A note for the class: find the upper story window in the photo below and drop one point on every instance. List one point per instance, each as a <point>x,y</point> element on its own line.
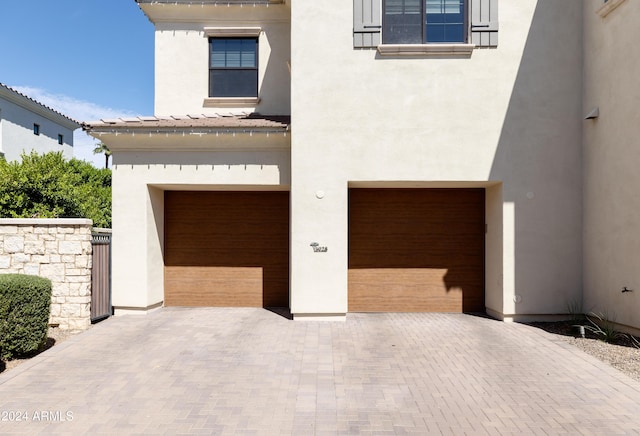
<point>425,27</point>
<point>233,67</point>
<point>36,129</point>
<point>424,21</point>
<point>60,139</point>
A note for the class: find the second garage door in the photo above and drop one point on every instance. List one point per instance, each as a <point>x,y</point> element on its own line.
<point>227,249</point>
<point>416,250</point>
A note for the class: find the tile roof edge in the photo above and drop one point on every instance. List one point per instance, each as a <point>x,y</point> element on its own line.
<point>25,97</point>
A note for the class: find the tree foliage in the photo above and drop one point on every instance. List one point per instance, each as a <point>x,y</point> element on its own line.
<point>102,148</point>
<point>48,186</point>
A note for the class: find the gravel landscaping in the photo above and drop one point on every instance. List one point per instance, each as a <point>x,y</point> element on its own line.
<point>621,353</point>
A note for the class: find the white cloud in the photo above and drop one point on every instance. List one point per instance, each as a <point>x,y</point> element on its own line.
<point>81,111</point>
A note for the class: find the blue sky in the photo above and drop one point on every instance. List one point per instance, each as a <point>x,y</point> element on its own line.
<point>88,59</point>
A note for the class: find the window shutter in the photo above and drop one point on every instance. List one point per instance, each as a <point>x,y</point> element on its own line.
<point>484,23</point>
<point>367,23</point>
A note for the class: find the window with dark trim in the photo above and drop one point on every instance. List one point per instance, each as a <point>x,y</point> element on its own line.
<point>424,21</point>
<point>36,129</point>
<point>60,139</point>
<point>233,67</point>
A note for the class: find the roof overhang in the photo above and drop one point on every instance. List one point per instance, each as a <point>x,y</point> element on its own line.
<point>196,10</point>
<point>212,2</point>
<point>193,132</point>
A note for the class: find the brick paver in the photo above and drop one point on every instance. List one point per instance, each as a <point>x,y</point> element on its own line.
<point>253,372</point>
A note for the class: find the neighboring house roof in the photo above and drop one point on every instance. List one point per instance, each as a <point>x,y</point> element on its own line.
<point>34,106</point>
<point>190,123</point>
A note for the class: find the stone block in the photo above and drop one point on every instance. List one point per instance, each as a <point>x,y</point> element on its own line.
<point>78,300</point>
<point>59,299</point>
<point>83,261</point>
<point>59,289</point>
<point>52,271</point>
<point>69,310</point>
<point>84,289</point>
<point>79,279</point>
<point>51,247</point>
<point>5,261</point>
<point>68,258</point>
<point>30,237</point>
<point>55,309</point>
<point>78,237</point>
<point>34,247</point>
<point>8,230</point>
<point>14,244</point>
<point>32,269</point>
<point>45,258</point>
<point>66,230</point>
<point>70,247</point>
<point>20,258</point>
<point>77,324</point>
<point>77,271</point>
<point>74,289</point>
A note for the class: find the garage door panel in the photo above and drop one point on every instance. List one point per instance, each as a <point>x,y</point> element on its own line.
<point>214,286</point>
<point>402,290</point>
<point>227,249</point>
<point>401,240</point>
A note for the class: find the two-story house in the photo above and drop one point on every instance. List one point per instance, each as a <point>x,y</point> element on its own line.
<point>27,125</point>
<point>373,155</point>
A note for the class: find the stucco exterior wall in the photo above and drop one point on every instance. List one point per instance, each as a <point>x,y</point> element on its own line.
<point>611,177</point>
<point>16,132</point>
<point>182,60</point>
<point>507,117</point>
<point>57,249</point>
<point>140,179</point>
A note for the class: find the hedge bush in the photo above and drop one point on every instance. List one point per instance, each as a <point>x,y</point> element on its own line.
<point>48,186</point>
<point>25,303</point>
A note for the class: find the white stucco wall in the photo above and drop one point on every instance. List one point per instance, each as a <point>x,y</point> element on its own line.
<point>507,117</point>
<point>611,177</point>
<point>140,178</point>
<point>16,132</point>
<point>182,58</point>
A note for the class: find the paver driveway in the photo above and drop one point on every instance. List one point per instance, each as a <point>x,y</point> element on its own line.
<point>250,371</point>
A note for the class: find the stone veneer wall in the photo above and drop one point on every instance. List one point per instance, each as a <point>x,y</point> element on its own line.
<point>60,250</point>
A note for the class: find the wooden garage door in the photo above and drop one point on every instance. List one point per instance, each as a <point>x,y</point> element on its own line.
<point>416,250</point>
<point>227,249</point>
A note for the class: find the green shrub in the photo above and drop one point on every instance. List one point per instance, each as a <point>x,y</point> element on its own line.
<point>48,186</point>
<point>25,302</point>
